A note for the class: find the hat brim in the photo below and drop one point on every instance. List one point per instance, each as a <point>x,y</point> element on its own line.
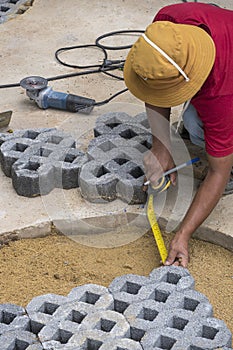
<point>204,56</point>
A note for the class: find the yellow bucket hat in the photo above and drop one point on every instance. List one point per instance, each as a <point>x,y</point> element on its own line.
<point>169,63</point>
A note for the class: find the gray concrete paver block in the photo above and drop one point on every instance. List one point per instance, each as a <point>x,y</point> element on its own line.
<point>158,312</point>
<point>41,308</point>
<point>17,340</point>
<point>108,322</point>
<point>181,279</point>
<point>118,344</point>
<point>40,160</point>
<point>117,149</point>
<point>10,315</point>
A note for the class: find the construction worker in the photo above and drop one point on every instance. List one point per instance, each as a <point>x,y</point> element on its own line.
<point>185,55</point>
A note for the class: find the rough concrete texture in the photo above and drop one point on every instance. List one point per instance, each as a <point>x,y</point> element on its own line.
<point>161,311</point>
<point>38,160</point>
<point>116,169</point>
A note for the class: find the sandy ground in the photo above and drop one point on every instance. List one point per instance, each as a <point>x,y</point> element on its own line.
<point>56,264</point>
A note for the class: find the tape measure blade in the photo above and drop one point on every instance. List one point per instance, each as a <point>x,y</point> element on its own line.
<point>155,229</point>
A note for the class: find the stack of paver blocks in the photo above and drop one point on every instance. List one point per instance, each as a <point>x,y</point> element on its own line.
<point>39,160</point>
<point>158,312</point>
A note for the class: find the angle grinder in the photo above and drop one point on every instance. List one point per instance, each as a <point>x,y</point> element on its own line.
<point>37,89</point>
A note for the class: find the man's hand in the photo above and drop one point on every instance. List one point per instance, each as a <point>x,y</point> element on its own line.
<point>178,254</point>
<point>156,162</point>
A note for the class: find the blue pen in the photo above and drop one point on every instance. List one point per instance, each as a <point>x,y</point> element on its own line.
<point>183,165</point>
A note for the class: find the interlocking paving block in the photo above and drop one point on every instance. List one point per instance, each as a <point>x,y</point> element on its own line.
<point>88,293</point>
<point>119,178</point>
<point>38,160</point>
<point>120,122</point>
<point>115,168</point>
<point>17,340</point>
<point>159,312</point>
<point>107,321</point>
<point>69,317</point>
<point>180,278</point>
<point>121,344</point>
<point>41,308</point>
<point>99,148</point>
<point>9,8</point>
<point>9,314</point>
<point>201,334</point>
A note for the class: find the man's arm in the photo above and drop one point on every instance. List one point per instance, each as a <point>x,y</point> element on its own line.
<point>203,203</point>
<point>158,159</point>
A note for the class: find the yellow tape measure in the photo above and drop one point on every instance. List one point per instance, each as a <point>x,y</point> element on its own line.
<point>155,229</point>
<point>162,186</point>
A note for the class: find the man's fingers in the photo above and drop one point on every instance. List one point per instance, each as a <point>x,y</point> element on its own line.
<point>173,178</point>
<point>171,257</point>
<point>183,261</point>
<point>176,259</point>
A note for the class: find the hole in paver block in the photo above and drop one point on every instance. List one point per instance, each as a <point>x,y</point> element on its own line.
<point>13,1</point>
<point>69,158</point>
<point>178,323</point>
<point>107,146</point>
<point>145,123</point>
<point>92,344</point>
<point>165,343</point>
<point>55,139</point>
<point>160,296</point>
<point>131,288</point>
<point>44,152</point>
<point>48,308</point>
<point>105,325</point>
<point>136,333</point>
<point>34,327</point>
<point>6,317</point>
<point>20,345</point>
<point>190,304</point>
<point>128,134</point>
<point>102,171</point>
<point>19,147</point>
<point>113,125</point>
<point>4,8</point>
<point>193,347</point>
<point>209,332</point>
<point>30,134</point>
<point>120,306</point>
<point>121,161</point>
<point>76,316</point>
<point>148,314</point>
<point>62,336</point>
<point>172,278</point>
<point>90,298</point>
<point>145,144</point>
<point>33,166</point>
<point>136,172</point>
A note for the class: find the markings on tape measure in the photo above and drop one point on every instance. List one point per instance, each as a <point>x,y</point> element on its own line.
<point>155,228</point>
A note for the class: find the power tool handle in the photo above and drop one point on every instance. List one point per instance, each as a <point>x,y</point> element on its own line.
<point>75,103</point>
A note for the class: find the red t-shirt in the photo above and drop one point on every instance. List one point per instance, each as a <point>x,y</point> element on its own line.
<point>214,101</point>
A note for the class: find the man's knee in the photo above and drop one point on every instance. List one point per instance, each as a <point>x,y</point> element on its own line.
<point>194,126</point>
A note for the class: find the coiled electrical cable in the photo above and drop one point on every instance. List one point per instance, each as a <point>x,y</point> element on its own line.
<point>106,66</point>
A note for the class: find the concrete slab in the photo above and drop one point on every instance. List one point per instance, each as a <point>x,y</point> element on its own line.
<point>28,43</point>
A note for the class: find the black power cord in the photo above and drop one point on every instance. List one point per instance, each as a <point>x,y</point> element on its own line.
<point>105,67</point>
